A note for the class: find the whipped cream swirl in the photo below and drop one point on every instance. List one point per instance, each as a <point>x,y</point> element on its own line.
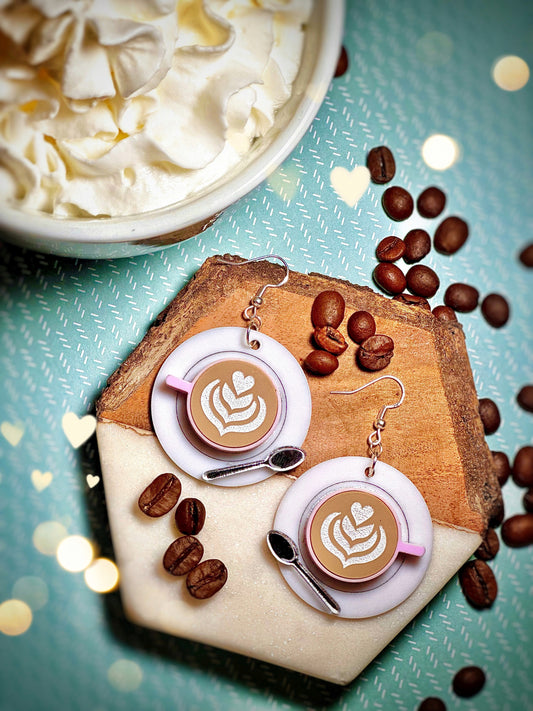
<point>115,107</point>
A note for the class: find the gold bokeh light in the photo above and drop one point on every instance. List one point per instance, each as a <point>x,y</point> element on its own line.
<point>440,152</point>
<point>75,553</point>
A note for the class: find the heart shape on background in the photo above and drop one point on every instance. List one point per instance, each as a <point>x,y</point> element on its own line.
<point>350,186</point>
<point>78,430</point>
<point>41,480</point>
<point>92,480</point>
<point>12,433</point>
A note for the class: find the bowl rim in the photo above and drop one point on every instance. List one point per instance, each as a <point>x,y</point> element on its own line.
<point>143,226</point>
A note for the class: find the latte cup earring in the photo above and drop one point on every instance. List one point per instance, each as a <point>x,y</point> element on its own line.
<point>363,528</point>
<point>231,395</point>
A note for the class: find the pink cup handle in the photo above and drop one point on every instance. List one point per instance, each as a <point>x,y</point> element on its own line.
<point>410,549</point>
<point>178,384</point>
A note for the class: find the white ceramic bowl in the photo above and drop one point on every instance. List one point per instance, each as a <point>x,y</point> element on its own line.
<point>146,232</point>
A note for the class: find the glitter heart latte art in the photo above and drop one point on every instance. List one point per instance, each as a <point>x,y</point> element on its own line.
<point>349,540</point>
<point>233,407</point>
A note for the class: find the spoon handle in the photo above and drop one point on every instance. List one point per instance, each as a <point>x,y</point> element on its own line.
<point>317,588</point>
<point>232,469</point>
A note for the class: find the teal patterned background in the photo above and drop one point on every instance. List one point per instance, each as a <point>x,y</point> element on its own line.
<point>415,69</point>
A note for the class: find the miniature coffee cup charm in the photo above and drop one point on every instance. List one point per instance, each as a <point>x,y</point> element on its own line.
<point>232,404</point>
<point>354,536</point>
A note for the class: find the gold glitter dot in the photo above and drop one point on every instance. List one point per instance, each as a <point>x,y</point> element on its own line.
<point>102,575</point>
<point>125,675</point>
<point>47,536</point>
<point>15,617</point>
<point>31,590</point>
<point>440,152</point>
<point>510,73</point>
<point>74,553</point>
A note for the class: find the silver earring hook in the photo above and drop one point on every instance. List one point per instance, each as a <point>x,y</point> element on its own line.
<point>249,314</point>
<point>374,439</point>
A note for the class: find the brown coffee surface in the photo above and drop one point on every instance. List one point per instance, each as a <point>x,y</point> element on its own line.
<point>354,535</point>
<point>234,404</point>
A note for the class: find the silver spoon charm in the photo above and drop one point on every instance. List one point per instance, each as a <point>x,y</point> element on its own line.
<point>281,460</point>
<point>285,550</point>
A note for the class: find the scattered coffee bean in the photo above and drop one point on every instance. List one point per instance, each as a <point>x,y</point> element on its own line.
<point>468,681</point>
<point>495,309</point>
<point>523,467</point>
<point>412,300</point>
<point>461,297</point>
<point>431,202</point>
<point>321,362</point>
<point>478,583</point>
<point>390,249</point>
<point>432,703</point>
<point>361,325</point>
<point>183,555</point>
<point>490,415</point>
<point>501,466</point>
<point>380,163</point>
<point>160,496</point>
<point>525,398</point>
<point>190,516</point>
<point>397,203</point>
<point>517,531</point>
<point>422,280</point>
<point>489,547</point>
<point>444,313</point>
<point>328,309</point>
<point>207,578</point>
<point>330,339</point>
<point>527,500</point>
<point>375,353</point>
<point>450,235</point>
<point>342,63</point>
<point>417,245</point>
<point>526,255</point>
<point>390,278</point>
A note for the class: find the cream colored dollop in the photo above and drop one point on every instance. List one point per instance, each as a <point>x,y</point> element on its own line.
<point>115,107</point>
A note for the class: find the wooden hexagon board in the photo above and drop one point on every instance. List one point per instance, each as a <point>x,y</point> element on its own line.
<point>435,438</point>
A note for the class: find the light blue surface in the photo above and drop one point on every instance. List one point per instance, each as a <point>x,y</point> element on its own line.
<point>66,325</point>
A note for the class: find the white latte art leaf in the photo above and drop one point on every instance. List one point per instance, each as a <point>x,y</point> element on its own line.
<point>332,535</point>
<point>227,416</point>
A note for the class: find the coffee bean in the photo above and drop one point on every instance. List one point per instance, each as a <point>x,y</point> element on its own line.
<point>461,297</point>
<point>517,531</point>
<point>190,516</point>
<point>525,398</point>
<point>432,703</point>
<point>478,583</point>
<point>490,415</point>
<point>321,362</point>
<point>501,466</point>
<point>526,255</point>
<point>412,300</point>
<point>422,280</point>
<point>342,63</point>
<point>489,547</point>
<point>390,278</point>
<point>495,309</point>
<point>523,467</point>
<point>330,339</point>
<point>375,353</point>
<point>390,249</point>
<point>468,681</point>
<point>328,309</point>
<point>183,555</point>
<point>160,496</point>
<point>431,202</point>
<point>361,325</point>
<point>397,203</point>
<point>527,500</point>
<point>417,246</point>
<point>450,235</point>
<point>444,313</point>
<point>207,578</point>
<point>380,163</point>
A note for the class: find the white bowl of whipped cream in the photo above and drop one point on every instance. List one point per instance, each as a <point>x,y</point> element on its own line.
<point>130,125</point>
